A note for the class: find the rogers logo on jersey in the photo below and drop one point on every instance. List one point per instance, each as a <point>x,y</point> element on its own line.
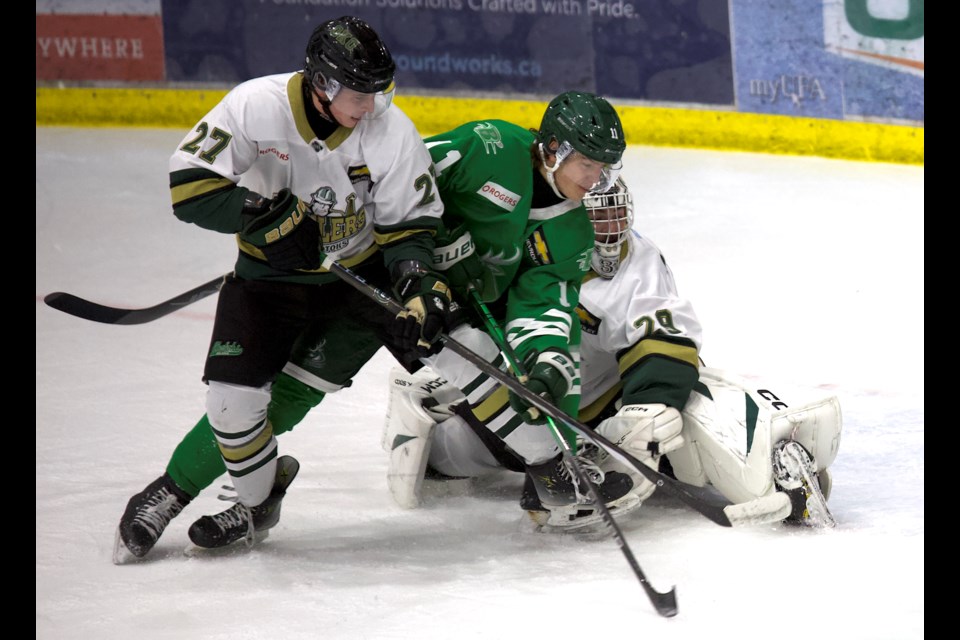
<point>499,195</point>
<point>276,152</point>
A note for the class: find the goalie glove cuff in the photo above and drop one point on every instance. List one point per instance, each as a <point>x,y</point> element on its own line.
<point>646,431</point>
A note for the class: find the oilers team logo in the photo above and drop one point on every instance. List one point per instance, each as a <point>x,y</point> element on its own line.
<point>337,226</point>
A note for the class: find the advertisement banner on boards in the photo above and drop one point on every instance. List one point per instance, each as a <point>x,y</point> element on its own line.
<point>656,50</point>
<point>99,47</point>
<point>841,59</point>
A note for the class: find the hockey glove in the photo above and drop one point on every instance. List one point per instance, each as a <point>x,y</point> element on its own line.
<point>645,431</point>
<point>284,230</point>
<point>426,300</point>
<point>550,376</point>
<point>456,257</point>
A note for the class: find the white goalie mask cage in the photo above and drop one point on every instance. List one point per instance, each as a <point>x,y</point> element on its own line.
<point>611,213</point>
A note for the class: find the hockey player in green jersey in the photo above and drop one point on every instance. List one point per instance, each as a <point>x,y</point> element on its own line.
<point>534,241</point>
<point>517,232</point>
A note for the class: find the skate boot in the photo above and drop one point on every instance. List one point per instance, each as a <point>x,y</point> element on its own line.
<point>554,500</point>
<point>147,514</point>
<point>239,522</point>
<point>796,474</point>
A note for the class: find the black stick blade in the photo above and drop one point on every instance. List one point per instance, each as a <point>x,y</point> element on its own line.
<point>76,306</point>
<point>87,310</point>
<point>664,603</point>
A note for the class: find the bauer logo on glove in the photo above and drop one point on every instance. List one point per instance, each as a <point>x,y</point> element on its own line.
<point>283,230</point>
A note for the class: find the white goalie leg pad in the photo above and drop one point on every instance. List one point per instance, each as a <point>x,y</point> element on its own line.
<point>458,452</point>
<point>408,429</point>
<point>454,368</point>
<point>424,389</point>
<point>731,428</point>
<point>238,415</point>
<point>645,431</point>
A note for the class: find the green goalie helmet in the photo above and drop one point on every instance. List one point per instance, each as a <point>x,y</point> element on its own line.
<point>348,52</point>
<point>586,123</point>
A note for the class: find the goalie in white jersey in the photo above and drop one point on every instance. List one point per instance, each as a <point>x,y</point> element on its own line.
<point>644,389</point>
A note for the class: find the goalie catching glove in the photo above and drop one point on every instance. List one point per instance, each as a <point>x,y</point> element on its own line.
<point>645,431</point>
<point>283,230</point>
<point>550,376</point>
<point>426,301</point>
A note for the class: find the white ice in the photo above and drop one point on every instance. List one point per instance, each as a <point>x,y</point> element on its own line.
<point>806,272</point>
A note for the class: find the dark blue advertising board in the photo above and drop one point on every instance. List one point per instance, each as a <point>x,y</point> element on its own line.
<point>652,50</point>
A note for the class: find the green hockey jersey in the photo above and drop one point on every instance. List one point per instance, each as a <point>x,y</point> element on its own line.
<point>535,246</point>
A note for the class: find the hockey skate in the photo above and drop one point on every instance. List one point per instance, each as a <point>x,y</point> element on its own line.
<point>251,524</point>
<point>555,501</point>
<point>147,514</point>
<point>796,474</point>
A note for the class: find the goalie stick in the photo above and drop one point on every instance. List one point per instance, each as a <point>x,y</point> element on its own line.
<point>76,306</point>
<point>664,602</point>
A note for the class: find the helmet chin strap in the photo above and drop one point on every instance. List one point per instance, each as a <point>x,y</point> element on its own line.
<point>550,171</point>
<point>325,111</point>
<point>605,260</point>
<point>325,96</point>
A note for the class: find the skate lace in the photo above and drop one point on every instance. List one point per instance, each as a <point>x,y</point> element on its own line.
<point>158,511</point>
<point>590,468</point>
<point>236,516</point>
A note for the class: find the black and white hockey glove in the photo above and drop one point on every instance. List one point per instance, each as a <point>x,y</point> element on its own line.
<point>283,230</point>
<point>550,376</point>
<point>426,300</point>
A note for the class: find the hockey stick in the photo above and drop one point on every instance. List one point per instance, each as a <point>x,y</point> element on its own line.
<point>664,603</point>
<point>714,512</point>
<point>76,306</point>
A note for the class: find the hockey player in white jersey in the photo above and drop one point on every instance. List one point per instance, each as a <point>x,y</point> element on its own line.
<point>644,389</point>
<point>296,164</point>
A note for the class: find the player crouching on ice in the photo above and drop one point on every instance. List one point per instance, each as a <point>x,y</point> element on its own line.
<point>644,390</point>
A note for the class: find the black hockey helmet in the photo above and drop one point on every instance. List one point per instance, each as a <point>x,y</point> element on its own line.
<point>350,52</point>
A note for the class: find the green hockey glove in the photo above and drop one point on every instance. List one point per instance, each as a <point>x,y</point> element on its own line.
<point>426,300</point>
<point>284,230</point>
<point>455,256</point>
<point>551,375</point>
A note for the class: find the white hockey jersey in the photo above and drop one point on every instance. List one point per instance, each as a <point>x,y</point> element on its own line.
<point>639,302</point>
<point>367,185</point>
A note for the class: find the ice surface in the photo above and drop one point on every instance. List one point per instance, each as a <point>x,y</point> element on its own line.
<point>805,272</point>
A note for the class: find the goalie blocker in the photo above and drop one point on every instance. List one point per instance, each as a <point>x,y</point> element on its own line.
<point>734,436</point>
